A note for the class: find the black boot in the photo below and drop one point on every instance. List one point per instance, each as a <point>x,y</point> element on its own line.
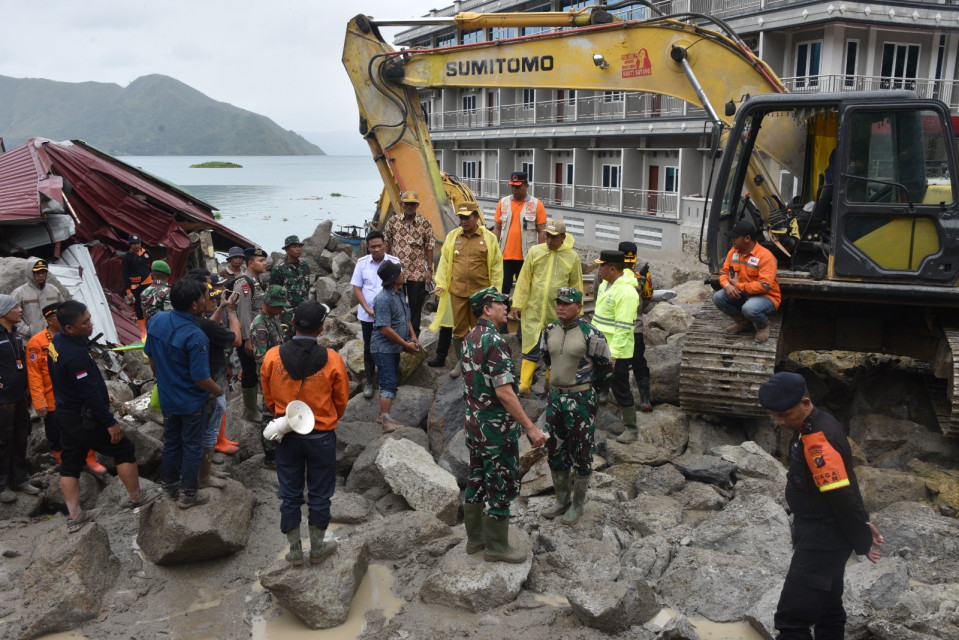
<point>644,403</point>
<point>442,348</point>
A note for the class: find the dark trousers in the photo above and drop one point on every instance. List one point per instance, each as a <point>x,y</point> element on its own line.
<point>308,460</point>
<point>812,596</point>
<point>183,450</point>
<point>15,430</point>
<point>78,435</point>
<point>620,383</point>
<point>640,368</point>
<point>368,363</point>
<point>251,376</point>
<point>416,296</point>
<point>511,269</point>
<point>137,302</point>
<point>52,430</point>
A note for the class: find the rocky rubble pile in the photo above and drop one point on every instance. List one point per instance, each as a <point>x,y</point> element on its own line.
<point>691,517</point>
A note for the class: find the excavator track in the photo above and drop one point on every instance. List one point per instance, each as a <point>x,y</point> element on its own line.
<point>950,424</point>
<point>721,373</point>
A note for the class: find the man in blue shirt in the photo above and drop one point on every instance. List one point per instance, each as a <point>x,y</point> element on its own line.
<point>392,336</point>
<point>179,355</point>
<point>83,413</point>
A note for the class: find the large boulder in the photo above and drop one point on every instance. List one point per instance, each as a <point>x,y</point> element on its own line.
<point>880,585</point>
<point>326,292</point>
<point>635,453</point>
<point>708,469</point>
<point>350,508</point>
<point>751,526</point>
<point>410,407</point>
<point>926,540</point>
<point>708,432</point>
<point>563,558</point>
<point>659,481</point>
<point>752,461</point>
<point>463,581</point>
<point>664,372</point>
<point>68,575</point>
<point>342,267</point>
<point>52,496</point>
<point>456,457</point>
<point>399,535</point>
<point>666,425</point>
<point>352,438</point>
<point>352,354</point>
<point>447,413</point>
<point>411,472</point>
<point>221,527</point>
<point>320,595</point>
<point>892,442</point>
<point>883,487</point>
<point>613,607</point>
<point>653,514</point>
<point>365,477</point>
<point>670,318</point>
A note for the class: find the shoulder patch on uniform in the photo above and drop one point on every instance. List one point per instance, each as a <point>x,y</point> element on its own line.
<point>33,356</point>
<point>81,374</point>
<point>53,352</point>
<point>824,462</point>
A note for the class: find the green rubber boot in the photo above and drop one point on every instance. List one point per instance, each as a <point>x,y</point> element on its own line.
<point>496,533</point>
<point>458,354</point>
<point>630,432</point>
<point>318,548</point>
<point>561,485</point>
<point>473,519</point>
<point>295,556</point>
<point>580,485</point>
<point>251,412</point>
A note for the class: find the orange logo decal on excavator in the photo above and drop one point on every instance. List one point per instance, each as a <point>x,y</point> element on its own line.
<point>637,64</point>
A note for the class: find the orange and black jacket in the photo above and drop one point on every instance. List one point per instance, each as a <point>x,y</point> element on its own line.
<point>38,375</point>
<point>136,270</point>
<point>302,370</point>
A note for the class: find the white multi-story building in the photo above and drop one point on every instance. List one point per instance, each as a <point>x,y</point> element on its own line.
<point>628,165</point>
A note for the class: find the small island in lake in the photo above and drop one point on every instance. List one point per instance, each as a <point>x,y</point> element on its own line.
<point>216,164</point>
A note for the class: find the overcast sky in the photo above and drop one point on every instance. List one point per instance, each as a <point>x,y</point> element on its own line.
<point>278,58</point>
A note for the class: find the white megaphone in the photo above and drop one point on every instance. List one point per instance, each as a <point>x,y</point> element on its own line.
<point>298,418</point>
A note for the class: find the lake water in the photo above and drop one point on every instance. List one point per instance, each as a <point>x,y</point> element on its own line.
<point>272,197</point>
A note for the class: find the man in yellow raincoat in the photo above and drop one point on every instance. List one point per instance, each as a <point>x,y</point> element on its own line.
<point>470,261</point>
<point>548,266</point>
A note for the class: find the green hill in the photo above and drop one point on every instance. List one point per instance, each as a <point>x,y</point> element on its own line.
<point>153,115</point>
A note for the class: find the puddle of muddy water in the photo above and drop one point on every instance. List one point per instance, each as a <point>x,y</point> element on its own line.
<point>709,630</point>
<point>375,592</point>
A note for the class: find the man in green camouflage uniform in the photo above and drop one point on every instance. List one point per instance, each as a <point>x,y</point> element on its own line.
<point>577,357</point>
<point>156,297</point>
<point>271,328</point>
<point>292,273</point>
<point>493,410</point>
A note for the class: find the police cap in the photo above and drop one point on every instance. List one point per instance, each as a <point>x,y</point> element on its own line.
<point>782,392</point>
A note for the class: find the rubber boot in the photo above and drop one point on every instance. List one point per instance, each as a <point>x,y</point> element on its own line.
<point>497,549</point>
<point>458,352</point>
<point>207,480</point>
<point>318,548</point>
<point>526,371</point>
<point>251,411</point>
<point>580,485</point>
<point>223,445</point>
<point>630,432</point>
<point>561,485</point>
<point>762,332</point>
<point>442,348</point>
<point>368,382</point>
<point>740,324</point>
<point>473,520</point>
<point>143,329</point>
<point>93,466</point>
<point>295,555</point>
<point>644,403</point>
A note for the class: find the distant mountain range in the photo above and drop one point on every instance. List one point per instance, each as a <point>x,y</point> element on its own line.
<point>153,115</point>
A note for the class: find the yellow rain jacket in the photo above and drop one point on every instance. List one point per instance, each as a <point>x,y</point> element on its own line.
<point>615,314</point>
<point>544,272</point>
<point>494,262</point>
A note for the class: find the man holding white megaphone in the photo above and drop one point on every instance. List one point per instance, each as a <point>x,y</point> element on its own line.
<point>306,387</point>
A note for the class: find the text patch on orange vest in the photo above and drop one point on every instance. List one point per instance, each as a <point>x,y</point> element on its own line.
<point>825,463</point>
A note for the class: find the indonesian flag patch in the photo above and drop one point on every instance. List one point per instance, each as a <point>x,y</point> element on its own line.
<point>81,374</point>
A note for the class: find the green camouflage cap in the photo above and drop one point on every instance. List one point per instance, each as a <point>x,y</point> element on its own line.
<point>290,241</point>
<point>161,266</point>
<point>569,294</point>
<point>275,296</point>
<point>485,296</point>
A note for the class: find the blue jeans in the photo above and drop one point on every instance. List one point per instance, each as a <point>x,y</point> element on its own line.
<point>311,457</point>
<point>388,365</point>
<point>755,308</point>
<point>213,427</point>
<point>182,450</point>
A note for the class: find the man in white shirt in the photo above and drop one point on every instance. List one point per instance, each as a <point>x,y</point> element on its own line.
<point>366,284</point>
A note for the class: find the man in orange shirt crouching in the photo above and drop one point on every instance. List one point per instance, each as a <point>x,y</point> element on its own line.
<point>750,291</point>
<point>302,370</point>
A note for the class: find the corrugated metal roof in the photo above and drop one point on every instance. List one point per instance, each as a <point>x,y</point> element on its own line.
<point>23,177</point>
<point>76,272</point>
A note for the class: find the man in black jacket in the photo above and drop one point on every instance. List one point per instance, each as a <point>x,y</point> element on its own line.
<point>14,417</point>
<point>829,519</point>
<point>135,266</point>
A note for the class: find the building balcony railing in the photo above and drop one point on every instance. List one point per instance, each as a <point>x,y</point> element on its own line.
<point>663,204</point>
<point>945,90</point>
<point>623,106</point>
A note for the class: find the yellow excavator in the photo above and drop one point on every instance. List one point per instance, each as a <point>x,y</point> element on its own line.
<point>854,192</point>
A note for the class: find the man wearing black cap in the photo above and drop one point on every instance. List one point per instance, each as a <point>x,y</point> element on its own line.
<point>136,276</point>
<point>303,370</point>
<point>749,291</point>
<point>829,519</point>
<point>33,296</point>
<point>251,295</point>
<point>292,273</point>
<point>519,224</point>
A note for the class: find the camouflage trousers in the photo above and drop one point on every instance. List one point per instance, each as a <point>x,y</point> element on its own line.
<point>571,420</point>
<point>494,458</point>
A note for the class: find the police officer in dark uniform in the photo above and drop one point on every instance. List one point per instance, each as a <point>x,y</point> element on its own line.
<point>829,519</point>
<point>15,424</point>
<point>136,276</point>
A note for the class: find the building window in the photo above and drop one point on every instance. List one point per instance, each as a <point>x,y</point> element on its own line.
<point>469,169</point>
<point>672,180</point>
<point>613,96</point>
<point>611,174</point>
<point>529,98</point>
<point>503,33</point>
<point>574,5</point>
<point>899,64</point>
<point>427,111</point>
<point>469,102</point>
<point>808,55</point>
<point>569,174</point>
<point>852,53</point>
<point>528,168</point>
<point>447,40</point>
<point>571,96</point>
<point>476,35</point>
<point>528,31</point>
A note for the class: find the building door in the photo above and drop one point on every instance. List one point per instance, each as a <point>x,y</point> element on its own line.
<point>653,186</point>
